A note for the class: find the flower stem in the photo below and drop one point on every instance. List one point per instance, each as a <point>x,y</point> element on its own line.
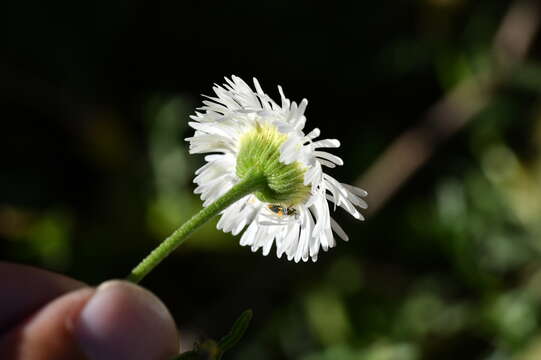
<point>247,185</point>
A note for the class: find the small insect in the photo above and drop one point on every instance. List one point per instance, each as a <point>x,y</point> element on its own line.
<point>282,210</point>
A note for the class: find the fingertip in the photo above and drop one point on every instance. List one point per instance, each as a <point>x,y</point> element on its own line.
<point>125,321</point>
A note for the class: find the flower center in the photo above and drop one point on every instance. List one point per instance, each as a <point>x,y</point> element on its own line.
<point>259,153</point>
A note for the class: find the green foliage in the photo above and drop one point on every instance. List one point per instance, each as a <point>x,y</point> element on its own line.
<point>212,350</point>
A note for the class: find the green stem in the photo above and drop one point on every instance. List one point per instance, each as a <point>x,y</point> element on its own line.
<point>250,183</point>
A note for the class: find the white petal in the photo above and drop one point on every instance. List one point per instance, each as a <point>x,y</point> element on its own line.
<point>325,155</point>
<point>338,230</point>
<point>326,143</point>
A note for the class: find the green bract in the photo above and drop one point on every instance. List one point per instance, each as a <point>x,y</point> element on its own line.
<point>259,155</point>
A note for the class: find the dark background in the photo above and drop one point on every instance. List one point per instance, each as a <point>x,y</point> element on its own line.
<point>95,98</point>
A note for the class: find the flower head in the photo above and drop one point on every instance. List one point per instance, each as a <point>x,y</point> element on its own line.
<point>247,133</point>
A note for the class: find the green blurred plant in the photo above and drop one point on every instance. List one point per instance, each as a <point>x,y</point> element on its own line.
<point>214,350</point>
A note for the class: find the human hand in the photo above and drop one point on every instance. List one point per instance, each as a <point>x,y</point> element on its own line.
<point>45,316</point>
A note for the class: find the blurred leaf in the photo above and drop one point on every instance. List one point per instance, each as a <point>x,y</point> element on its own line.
<point>237,332</point>
<point>212,350</point>
<point>328,316</point>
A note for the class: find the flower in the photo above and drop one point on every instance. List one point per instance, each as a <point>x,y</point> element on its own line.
<point>245,131</point>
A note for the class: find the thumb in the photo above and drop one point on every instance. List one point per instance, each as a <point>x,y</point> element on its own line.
<point>125,321</point>
<point>118,320</point>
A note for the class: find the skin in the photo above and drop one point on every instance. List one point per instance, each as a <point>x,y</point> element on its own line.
<point>45,316</point>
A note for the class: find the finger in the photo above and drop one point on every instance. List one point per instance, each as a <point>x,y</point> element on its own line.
<point>24,289</point>
<point>117,321</point>
<point>124,321</point>
<point>46,334</point>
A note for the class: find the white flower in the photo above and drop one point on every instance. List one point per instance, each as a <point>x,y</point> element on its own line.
<point>294,216</point>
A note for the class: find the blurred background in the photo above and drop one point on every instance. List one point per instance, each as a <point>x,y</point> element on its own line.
<point>436,103</point>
